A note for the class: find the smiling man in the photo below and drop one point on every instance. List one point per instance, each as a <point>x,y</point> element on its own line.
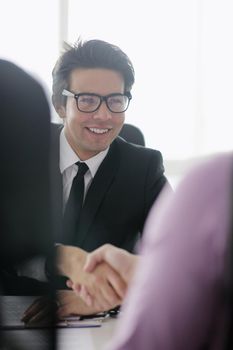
<point>91,93</point>
<point>94,115</point>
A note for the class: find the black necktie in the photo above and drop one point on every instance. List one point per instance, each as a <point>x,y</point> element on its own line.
<point>74,205</point>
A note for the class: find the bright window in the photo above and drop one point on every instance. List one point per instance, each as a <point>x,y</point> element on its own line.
<point>29,36</point>
<point>181,50</point>
<point>182,53</point>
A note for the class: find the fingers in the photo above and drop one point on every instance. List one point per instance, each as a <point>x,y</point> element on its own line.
<point>41,316</point>
<point>71,304</point>
<point>86,297</point>
<point>119,259</point>
<point>109,286</point>
<point>123,262</point>
<point>32,310</point>
<point>117,284</point>
<point>104,288</point>
<point>103,299</point>
<point>96,257</point>
<point>38,311</point>
<point>65,310</point>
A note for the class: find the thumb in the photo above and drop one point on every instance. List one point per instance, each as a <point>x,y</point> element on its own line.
<point>95,258</point>
<point>92,260</point>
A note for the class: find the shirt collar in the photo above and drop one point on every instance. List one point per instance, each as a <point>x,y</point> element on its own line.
<point>68,157</point>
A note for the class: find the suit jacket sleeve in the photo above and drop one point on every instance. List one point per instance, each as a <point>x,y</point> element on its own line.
<point>155,180</point>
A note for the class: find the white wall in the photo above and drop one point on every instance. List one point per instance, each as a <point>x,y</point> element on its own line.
<point>29,36</point>
<point>182,53</point>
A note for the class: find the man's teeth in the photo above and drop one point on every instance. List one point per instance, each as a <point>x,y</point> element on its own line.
<point>98,131</point>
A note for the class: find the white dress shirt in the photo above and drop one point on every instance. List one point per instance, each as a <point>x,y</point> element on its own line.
<point>69,169</point>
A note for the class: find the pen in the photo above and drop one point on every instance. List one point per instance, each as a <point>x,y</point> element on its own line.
<point>93,316</point>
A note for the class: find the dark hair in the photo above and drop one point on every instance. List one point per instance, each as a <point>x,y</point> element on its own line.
<point>90,54</point>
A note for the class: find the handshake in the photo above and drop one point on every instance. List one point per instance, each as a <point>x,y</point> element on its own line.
<point>98,282</point>
<point>99,278</point>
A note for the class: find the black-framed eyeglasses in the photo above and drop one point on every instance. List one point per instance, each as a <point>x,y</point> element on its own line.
<point>87,102</point>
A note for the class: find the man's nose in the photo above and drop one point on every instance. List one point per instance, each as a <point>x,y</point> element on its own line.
<point>103,112</point>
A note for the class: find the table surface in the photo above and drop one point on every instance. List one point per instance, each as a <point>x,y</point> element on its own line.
<point>93,338</point>
<point>86,338</point>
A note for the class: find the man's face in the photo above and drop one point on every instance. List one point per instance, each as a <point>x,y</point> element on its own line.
<point>90,133</point>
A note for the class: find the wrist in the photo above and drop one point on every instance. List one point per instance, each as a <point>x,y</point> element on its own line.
<point>70,260</point>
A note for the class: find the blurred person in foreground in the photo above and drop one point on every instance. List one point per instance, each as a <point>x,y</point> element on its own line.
<point>180,292</point>
<point>25,203</point>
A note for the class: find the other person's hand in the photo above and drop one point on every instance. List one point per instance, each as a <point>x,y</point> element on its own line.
<point>118,259</point>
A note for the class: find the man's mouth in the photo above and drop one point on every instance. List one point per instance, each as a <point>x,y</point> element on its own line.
<point>98,131</point>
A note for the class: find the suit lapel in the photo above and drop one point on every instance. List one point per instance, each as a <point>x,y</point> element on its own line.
<point>98,189</point>
<point>99,186</point>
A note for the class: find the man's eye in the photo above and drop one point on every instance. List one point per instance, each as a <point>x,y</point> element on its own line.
<point>115,100</point>
<point>88,100</point>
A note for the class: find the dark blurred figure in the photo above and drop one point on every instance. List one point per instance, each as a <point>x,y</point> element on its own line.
<point>25,215</point>
<point>24,158</point>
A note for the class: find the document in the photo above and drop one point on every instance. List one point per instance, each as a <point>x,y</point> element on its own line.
<point>61,324</point>
<point>78,322</point>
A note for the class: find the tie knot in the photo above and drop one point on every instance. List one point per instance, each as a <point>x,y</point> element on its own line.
<point>82,168</point>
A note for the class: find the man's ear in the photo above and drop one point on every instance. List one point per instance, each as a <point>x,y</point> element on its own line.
<point>61,110</point>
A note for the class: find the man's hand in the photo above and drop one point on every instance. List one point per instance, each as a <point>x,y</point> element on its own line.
<point>70,261</point>
<point>67,303</point>
<point>71,305</point>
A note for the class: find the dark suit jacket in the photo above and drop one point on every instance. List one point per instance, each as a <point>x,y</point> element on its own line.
<point>126,184</point>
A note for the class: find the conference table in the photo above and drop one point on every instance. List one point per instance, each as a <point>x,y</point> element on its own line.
<point>95,338</point>
<point>95,335</point>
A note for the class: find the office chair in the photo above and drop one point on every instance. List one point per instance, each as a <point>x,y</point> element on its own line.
<point>133,134</point>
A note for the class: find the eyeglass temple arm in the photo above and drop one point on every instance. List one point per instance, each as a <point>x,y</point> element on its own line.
<point>67,93</point>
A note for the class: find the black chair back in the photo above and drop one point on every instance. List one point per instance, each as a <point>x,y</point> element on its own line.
<point>133,134</point>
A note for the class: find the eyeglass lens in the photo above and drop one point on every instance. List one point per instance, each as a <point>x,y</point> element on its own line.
<point>90,103</point>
